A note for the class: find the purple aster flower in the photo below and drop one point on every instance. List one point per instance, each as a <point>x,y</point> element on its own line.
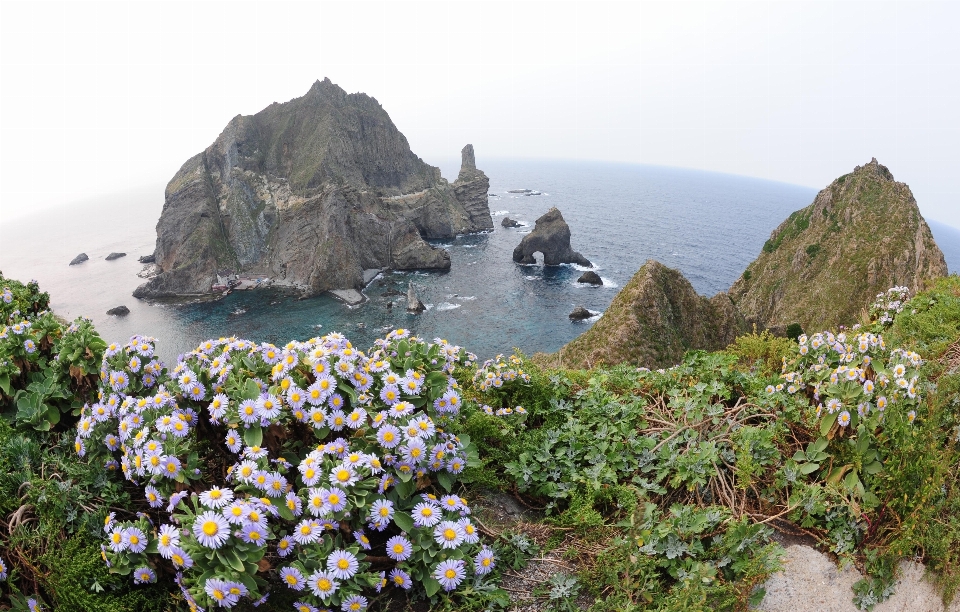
<point>302,606</point>
<point>322,584</point>
<point>153,496</point>
<point>171,466</point>
<point>293,578</point>
<point>180,558</point>
<point>143,575</point>
<point>448,534</point>
<point>450,573</point>
<point>400,578</point>
<point>342,564</point>
<point>175,500</point>
<point>399,548</point>
<point>211,529</point>
<point>483,563</point>
<point>336,499</point>
<point>354,603</point>
<point>134,538</point>
<point>252,533</point>
<point>284,546</point>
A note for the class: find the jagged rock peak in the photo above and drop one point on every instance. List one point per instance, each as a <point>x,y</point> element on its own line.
<point>468,162</point>
<point>652,321</point>
<point>310,193</point>
<point>550,236</point>
<point>825,263</point>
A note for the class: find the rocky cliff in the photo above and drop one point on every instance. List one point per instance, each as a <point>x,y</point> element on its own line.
<point>310,192</point>
<point>551,237</point>
<point>825,263</point>
<point>652,321</point>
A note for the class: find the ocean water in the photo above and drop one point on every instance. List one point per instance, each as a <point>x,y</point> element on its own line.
<point>708,225</point>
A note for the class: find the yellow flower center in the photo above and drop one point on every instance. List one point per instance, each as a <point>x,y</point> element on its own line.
<point>449,534</point>
<point>211,528</point>
<point>343,564</point>
<point>450,574</point>
<point>324,585</point>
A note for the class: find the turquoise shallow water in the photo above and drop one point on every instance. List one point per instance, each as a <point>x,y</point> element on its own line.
<point>708,225</point>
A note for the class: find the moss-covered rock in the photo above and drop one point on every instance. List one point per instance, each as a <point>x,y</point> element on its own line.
<point>825,263</point>
<point>654,319</point>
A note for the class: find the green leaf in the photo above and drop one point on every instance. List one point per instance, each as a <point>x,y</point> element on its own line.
<point>851,481</point>
<point>808,468</point>
<point>284,512</point>
<point>253,436</point>
<point>228,556</point>
<point>431,585</point>
<point>251,391</point>
<point>446,480</point>
<point>5,384</point>
<point>404,521</point>
<point>827,423</point>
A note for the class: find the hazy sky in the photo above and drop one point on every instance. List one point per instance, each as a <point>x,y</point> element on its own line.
<point>101,97</point>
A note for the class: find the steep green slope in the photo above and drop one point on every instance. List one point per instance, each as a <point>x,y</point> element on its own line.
<point>654,319</point>
<point>824,264</point>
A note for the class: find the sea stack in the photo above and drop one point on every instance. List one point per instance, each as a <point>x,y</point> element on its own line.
<point>310,193</point>
<point>550,236</point>
<point>825,263</point>
<point>414,305</point>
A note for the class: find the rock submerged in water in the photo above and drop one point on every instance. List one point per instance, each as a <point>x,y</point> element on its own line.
<point>550,236</point>
<point>508,222</point>
<point>145,259</point>
<point>113,256</point>
<point>580,313</point>
<point>79,259</point>
<point>414,305</point>
<point>591,278</point>
<point>119,311</point>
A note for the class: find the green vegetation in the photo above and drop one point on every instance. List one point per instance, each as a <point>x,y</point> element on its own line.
<point>656,489</point>
<point>795,223</point>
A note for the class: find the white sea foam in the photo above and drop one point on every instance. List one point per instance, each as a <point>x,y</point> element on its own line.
<point>498,213</point>
<point>447,306</point>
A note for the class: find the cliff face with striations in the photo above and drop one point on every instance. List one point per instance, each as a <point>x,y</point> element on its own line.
<point>310,193</point>
<point>822,266</point>
<point>652,321</point>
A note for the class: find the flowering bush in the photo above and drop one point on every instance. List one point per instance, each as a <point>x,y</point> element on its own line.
<point>857,388</point>
<point>46,370</point>
<point>888,304</point>
<point>496,377</point>
<point>335,467</point>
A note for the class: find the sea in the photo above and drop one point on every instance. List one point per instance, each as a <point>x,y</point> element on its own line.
<point>707,225</point>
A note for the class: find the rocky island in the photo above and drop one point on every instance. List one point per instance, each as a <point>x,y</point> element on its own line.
<point>310,193</point>
<point>551,237</point>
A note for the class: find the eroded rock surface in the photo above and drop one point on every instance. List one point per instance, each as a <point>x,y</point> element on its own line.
<point>79,259</point>
<point>310,193</point>
<point>550,236</point>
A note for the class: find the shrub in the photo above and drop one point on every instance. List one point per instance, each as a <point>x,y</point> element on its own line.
<point>332,468</point>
